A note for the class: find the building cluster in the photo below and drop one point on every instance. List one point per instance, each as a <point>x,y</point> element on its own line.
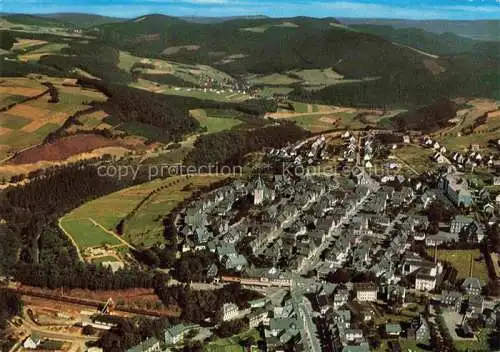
<point>321,226</point>
<point>308,152</point>
<point>466,160</point>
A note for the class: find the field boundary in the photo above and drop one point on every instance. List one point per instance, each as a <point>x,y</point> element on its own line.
<point>112,234</point>
<point>59,223</point>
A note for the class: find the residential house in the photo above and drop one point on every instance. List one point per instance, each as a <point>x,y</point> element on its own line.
<point>425,282</point>
<point>393,329</point>
<point>175,334</point>
<point>366,292</point>
<point>472,286</point>
<point>419,330</point>
<point>456,189</point>
<point>440,238</point>
<point>475,305</point>
<point>352,334</point>
<point>324,303</point>
<point>32,342</point>
<point>459,223</point>
<point>257,317</point>
<point>452,299</point>
<point>340,297</point>
<point>229,311</point>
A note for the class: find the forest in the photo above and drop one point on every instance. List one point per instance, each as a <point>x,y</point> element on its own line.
<point>10,306</point>
<point>230,147</point>
<point>36,252</point>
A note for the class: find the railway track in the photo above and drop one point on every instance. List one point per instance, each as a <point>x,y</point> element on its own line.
<point>91,303</point>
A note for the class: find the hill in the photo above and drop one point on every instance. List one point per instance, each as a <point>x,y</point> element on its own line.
<point>32,20</point>
<point>314,60</point>
<point>488,30</point>
<point>81,19</point>
<point>393,66</point>
<point>433,43</point>
<point>201,19</point>
<point>262,45</point>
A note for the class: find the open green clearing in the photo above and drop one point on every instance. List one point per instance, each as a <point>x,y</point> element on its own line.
<point>460,259</point>
<point>417,157</point>
<point>215,121</point>
<point>314,123</point>
<point>265,27</point>
<point>318,77</point>
<point>231,344</point>
<point>274,79</point>
<point>145,227</point>
<point>86,234</point>
<point>479,345</point>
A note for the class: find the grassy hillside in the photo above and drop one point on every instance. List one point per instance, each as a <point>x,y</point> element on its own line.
<point>433,43</point>
<point>313,60</point>
<point>405,67</point>
<point>81,19</point>
<point>262,45</point>
<point>474,29</point>
<point>31,20</point>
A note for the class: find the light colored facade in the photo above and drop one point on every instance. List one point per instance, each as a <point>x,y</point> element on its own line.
<point>366,293</point>
<point>425,282</point>
<point>32,342</point>
<point>229,311</point>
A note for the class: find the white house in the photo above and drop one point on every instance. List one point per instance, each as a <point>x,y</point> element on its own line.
<point>425,282</point>
<point>32,342</point>
<point>229,311</point>
<point>366,293</point>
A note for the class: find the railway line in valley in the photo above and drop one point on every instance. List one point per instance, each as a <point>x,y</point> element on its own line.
<point>97,304</point>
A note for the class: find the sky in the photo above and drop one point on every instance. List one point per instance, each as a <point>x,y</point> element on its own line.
<point>406,9</point>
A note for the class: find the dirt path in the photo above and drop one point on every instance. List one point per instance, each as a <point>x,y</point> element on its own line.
<point>286,115</point>
<point>59,223</point>
<point>112,234</point>
<point>416,50</point>
<point>407,165</point>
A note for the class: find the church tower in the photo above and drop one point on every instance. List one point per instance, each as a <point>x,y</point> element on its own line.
<point>258,192</point>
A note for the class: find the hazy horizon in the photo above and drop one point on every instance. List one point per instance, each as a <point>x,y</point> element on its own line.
<point>372,9</point>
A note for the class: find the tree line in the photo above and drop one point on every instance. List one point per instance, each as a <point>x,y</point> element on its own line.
<point>230,147</point>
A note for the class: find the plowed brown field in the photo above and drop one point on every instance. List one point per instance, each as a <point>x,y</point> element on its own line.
<point>64,148</point>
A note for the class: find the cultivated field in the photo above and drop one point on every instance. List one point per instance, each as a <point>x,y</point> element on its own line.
<point>145,226</point>
<point>64,148</point>
<point>27,124</point>
<point>86,233</point>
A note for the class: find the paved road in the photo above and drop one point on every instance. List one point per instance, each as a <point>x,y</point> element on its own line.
<point>309,331</point>
<point>77,340</point>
